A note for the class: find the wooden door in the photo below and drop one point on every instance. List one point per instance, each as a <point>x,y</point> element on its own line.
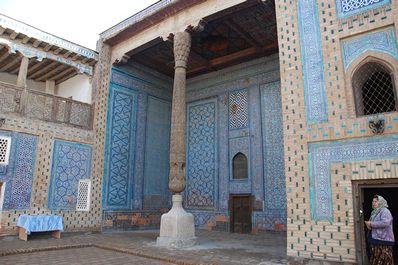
<point>363,192</point>
<point>241,213</point>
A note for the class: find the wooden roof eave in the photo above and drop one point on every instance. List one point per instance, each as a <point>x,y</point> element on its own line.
<point>131,26</point>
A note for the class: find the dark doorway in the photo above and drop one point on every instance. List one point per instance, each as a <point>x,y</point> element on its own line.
<point>241,213</point>
<point>364,205</point>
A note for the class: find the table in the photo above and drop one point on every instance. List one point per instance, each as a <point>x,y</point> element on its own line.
<point>39,223</point>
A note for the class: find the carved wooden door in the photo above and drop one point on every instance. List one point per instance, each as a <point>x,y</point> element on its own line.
<point>241,214</point>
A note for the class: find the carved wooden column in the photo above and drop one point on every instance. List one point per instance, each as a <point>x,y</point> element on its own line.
<point>182,46</point>
<point>177,227</point>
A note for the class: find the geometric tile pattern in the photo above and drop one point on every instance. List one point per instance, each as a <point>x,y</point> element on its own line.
<point>312,62</point>
<point>247,140</point>
<point>238,110</point>
<point>322,154</point>
<point>71,163</point>
<point>274,160</point>
<point>383,41</point>
<point>347,8</point>
<point>266,221</point>
<point>119,156</point>
<point>201,154</point>
<point>20,171</point>
<point>202,217</point>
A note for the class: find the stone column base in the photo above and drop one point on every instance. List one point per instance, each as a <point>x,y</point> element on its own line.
<point>177,228</point>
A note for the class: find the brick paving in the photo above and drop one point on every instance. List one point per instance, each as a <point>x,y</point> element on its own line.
<point>86,255</point>
<point>139,246</point>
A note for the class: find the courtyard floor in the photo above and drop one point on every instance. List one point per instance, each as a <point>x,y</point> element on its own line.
<point>138,247</point>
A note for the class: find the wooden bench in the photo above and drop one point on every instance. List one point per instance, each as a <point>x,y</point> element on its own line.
<point>39,223</point>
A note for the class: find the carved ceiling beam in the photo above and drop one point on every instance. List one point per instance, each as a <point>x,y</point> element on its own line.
<point>223,60</point>
<point>51,72</point>
<point>57,51</point>
<point>30,52</point>
<point>243,33</point>
<point>14,68</point>
<point>12,63</point>
<point>4,55</point>
<point>15,71</point>
<point>67,54</point>
<point>25,40</point>
<point>42,70</point>
<point>62,74</point>
<point>151,62</point>
<point>47,47</point>
<point>13,35</point>
<point>2,30</point>
<point>36,43</point>
<point>35,67</point>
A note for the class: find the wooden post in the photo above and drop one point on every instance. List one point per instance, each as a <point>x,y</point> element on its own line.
<point>23,72</point>
<point>182,46</point>
<point>21,82</point>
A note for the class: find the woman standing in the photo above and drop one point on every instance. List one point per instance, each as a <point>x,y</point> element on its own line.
<point>381,236</point>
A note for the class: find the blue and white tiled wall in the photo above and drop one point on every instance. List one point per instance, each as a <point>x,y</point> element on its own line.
<point>71,162</point>
<point>138,134</point>
<point>231,111</point>
<point>236,110</point>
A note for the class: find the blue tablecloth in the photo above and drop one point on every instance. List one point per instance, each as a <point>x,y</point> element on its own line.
<point>38,223</point>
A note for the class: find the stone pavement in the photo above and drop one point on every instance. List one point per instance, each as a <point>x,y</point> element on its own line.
<point>138,247</point>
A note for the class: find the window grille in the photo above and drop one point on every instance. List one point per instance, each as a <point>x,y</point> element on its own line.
<point>374,89</point>
<point>239,166</point>
<point>5,146</point>
<point>83,195</point>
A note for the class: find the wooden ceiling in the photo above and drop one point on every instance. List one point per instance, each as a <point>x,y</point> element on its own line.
<point>46,69</point>
<point>233,36</point>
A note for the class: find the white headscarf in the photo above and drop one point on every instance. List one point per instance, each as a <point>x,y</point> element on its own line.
<point>382,204</point>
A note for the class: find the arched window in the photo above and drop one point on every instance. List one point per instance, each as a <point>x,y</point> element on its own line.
<point>374,89</point>
<point>239,166</point>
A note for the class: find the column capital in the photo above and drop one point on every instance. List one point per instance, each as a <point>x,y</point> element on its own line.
<point>182,47</point>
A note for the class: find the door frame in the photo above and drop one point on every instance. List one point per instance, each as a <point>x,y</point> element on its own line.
<point>358,187</point>
<point>231,212</point>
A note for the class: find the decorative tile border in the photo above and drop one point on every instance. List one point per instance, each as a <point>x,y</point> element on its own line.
<point>346,8</point>
<point>120,148</point>
<point>382,41</point>
<point>71,162</point>
<point>322,154</point>
<point>274,160</point>
<point>312,61</point>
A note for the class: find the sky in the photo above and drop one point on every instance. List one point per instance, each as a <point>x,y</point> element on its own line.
<point>79,21</point>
